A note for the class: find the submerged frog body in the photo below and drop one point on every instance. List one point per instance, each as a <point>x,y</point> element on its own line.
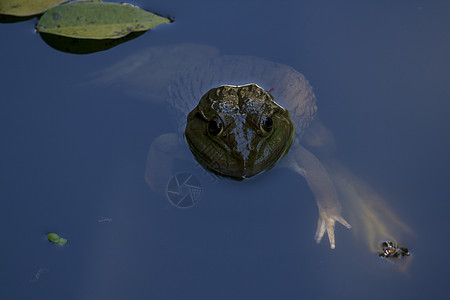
<point>234,128</point>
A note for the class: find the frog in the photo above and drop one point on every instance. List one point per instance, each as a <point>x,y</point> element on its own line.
<point>241,116</point>
<point>239,131</point>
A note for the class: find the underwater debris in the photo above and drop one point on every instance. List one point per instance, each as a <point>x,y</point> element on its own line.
<point>391,249</point>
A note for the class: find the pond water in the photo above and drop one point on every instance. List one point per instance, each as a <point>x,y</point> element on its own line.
<point>73,160</point>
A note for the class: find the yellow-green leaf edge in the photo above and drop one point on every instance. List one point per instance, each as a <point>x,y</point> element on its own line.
<point>97,20</point>
<point>24,8</point>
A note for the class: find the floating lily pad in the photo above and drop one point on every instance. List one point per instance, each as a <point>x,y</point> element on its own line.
<point>55,238</point>
<point>24,8</point>
<point>97,20</point>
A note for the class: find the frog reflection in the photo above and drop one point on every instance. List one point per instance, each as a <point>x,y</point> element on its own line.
<point>249,131</point>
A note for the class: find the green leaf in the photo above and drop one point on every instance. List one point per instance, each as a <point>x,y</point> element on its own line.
<point>55,238</point>
<point>97,20</point>
<point>62,241</point>
<point>24,8</point>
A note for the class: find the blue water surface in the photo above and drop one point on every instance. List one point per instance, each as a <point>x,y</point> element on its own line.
<point>72,161</point>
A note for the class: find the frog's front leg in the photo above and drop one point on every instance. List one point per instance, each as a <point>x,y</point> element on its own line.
<point>306,164</point>
<point>160,160</point>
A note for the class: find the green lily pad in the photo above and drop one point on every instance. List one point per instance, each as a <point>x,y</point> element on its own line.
<point>22,8</point>
<point>55,238</point>
<point>97,20</point>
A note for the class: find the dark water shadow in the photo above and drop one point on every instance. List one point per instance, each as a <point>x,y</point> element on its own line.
<point>14,19</point>
<point>85,46</point>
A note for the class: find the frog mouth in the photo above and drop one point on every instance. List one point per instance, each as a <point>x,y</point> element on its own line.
<point>231,162</point>
<point>218,159</point>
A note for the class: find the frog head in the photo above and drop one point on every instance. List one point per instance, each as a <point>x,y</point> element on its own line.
<point>238,131</point>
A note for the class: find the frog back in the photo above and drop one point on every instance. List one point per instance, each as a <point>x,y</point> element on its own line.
<point>288,87</point>
<point>179,75</point>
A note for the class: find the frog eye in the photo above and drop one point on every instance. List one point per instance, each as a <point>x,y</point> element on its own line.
<point>266,124</point>
<point>215,126</point>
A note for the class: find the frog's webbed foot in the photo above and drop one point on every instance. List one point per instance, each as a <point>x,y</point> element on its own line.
<point>306,164</point>
<point>326,222</point>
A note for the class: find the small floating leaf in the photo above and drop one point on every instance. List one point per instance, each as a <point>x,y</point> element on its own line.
<point>55,238</point>
<point>24,8</point>
<point>97,20</point>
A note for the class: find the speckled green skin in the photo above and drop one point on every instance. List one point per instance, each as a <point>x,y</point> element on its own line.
<point>243,148</point>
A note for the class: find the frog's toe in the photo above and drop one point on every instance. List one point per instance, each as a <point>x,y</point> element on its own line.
<point>320,230</point>
<point>343,222</point>
<point>330,232</point>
